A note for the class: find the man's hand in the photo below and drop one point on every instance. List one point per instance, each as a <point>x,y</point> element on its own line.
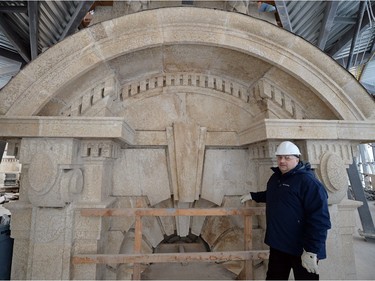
<point>310,262</point>
<point>245,198</point>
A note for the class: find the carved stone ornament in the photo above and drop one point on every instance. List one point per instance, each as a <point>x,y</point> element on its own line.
<point>71,184</point>
<point>42,173</point>
<point>334,176</point>
<point>51,185</point>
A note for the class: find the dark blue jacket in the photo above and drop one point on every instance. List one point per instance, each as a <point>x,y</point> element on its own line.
<point>296,211</point>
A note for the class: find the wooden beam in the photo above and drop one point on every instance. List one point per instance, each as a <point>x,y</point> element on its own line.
<point>137,258</point>
<point>137,247</point>
<point>248,241</point>
<point>170,212</point>
<point>171,257</point>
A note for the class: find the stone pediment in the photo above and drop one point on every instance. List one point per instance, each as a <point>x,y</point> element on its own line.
<point>239,49</point>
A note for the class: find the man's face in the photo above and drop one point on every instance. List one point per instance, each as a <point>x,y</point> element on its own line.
<point>286,162</point>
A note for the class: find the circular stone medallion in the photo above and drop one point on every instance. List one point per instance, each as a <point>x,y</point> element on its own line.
<point>42,173</point>
<point>333,172</point>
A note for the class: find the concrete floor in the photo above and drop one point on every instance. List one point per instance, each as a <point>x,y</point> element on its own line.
<point>364,251</point>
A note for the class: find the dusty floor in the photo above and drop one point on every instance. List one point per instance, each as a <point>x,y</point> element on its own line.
<point>364,251</point>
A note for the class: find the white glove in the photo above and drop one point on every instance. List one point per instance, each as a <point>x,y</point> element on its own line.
<point>310,262</point>
<point>245,198</point>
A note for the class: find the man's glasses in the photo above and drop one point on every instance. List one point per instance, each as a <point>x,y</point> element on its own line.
<point>286,157</point>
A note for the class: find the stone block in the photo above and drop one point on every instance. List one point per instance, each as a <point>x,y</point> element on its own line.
<point>227,172</point>
<point>142,172</point>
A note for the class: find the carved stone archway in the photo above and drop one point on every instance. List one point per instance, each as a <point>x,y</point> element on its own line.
<point>176,103</point>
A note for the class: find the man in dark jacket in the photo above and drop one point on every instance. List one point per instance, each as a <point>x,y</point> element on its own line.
<point>297,217</point>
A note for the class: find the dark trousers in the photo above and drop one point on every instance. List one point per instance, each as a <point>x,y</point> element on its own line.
<point>281,263</point>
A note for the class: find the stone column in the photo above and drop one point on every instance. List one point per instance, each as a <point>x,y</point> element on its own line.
<point>42,218</point>
<point>91,233</point>
<point>330,159</point>
<point>340,250</point>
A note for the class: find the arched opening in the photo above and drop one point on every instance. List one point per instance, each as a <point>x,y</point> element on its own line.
<point>185,271</point>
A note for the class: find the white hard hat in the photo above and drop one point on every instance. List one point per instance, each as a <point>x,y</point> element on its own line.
<point>287,148</point>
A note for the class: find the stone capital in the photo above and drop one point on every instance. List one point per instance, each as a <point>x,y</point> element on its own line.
<point>52,170</point>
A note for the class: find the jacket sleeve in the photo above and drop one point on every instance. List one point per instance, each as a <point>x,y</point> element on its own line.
<point>259,197</point>
<point>316,215</point>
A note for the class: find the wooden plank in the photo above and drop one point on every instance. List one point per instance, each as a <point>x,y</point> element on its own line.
<point>137,241</point>
<point>162,212</point>
<point>137,247</point>
<point>248,220</point>
<point>137,258</point>
<point>248,234</point>
<point>170,257</point>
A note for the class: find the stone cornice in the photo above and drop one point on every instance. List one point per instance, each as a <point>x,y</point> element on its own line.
<point>117,128</point>
<point>363,131</point>
<point>67,127</point>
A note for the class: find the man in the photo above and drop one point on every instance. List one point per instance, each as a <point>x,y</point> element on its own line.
<point>297,217</point>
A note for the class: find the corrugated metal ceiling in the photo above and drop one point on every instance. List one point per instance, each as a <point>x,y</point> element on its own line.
<point>329,25</point>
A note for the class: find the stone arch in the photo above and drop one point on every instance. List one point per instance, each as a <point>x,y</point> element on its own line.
<point>213,234</point>
<point>94,47</point>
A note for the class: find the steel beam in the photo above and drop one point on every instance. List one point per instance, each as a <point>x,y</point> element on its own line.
<point>364,212</point>
<point>82,9</point>
<point>327,24</point>
<point>33,11</point>
<point>14,39</point>
<point>2,148</point>
<point>361,12</point>
<point>284,15</point>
